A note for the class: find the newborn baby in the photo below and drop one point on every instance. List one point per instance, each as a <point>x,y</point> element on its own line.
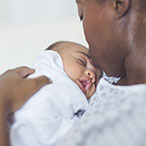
<point>49,114</point>
<point>77,65</point>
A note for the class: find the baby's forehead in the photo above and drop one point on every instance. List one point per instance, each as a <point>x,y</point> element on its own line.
<point>76,47</point>
<point>70,47</point>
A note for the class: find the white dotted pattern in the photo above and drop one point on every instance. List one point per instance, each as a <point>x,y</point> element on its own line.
<point>116,117</point>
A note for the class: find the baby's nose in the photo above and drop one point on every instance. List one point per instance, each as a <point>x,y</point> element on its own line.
<point>91,75</point>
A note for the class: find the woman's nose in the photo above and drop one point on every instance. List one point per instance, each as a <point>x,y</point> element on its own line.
<point>91,75</point>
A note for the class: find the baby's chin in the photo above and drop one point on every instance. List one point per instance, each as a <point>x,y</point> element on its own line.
<point>90,92</point>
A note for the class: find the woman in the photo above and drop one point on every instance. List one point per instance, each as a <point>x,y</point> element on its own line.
<point>115,31</point>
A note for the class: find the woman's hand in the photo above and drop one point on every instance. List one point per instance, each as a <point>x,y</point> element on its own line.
<point>15,88</point>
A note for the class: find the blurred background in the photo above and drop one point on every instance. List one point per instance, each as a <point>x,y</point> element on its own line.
<point>29,26</point>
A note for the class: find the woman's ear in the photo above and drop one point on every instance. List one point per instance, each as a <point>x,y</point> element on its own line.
<point>121,7</point>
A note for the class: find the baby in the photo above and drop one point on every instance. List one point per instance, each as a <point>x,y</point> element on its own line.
<point>77,65</point>
<point>49,114</point>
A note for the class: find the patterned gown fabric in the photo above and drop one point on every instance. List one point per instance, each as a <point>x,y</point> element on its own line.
<point>116,117</point>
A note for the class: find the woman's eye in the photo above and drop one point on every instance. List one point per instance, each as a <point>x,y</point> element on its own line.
<point>82,62</point>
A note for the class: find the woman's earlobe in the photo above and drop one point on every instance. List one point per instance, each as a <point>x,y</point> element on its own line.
<point>121,7</point>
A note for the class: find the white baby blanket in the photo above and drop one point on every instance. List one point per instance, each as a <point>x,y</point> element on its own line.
<point>49,114</point>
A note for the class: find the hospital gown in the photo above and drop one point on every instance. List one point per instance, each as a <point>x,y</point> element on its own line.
<point>116,117</point>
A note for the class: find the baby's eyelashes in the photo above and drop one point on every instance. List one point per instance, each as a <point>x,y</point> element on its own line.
<point>82,62</point>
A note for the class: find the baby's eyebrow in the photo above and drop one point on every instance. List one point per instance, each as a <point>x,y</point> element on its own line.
<point>86,54</point>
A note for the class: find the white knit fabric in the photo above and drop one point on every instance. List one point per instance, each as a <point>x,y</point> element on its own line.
<point>116,117</point>
<point>49,114</point>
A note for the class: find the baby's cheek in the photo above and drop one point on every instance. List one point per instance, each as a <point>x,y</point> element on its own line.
<point>74,72</point>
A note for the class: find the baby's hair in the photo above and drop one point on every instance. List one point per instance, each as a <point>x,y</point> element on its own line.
<point>56,44</point>
<point>61,44</point>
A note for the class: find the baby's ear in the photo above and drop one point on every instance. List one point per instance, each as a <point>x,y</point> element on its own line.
<point>121,7</point>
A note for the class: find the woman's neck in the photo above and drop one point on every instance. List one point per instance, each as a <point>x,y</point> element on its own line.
<point>135,61</point>
<point>136,69</point>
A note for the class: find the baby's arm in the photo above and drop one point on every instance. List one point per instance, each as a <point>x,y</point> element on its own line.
<point>41,133</point>
<point>23,135</point>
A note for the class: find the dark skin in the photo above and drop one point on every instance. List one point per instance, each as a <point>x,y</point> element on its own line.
<point>115,31</point>
<point>15,89</point>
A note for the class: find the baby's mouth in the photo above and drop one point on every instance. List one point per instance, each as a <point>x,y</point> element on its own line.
<point>85,85</point>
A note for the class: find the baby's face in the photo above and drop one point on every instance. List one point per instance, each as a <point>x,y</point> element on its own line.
<point>78,66</point>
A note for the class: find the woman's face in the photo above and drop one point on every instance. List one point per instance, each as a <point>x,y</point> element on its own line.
<point>99,31</point>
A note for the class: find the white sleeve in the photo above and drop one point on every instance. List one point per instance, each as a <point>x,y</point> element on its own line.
<point>41,133</point>
<point>23,135</point>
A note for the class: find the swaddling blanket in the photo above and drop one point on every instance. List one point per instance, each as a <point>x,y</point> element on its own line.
<point>49,114</point>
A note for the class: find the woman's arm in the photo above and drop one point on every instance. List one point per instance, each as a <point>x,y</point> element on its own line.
<point>15,89</point>
<point>4,136</point>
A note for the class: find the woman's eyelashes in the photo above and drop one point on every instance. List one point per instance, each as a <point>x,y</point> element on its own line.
<point>81,17</point>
